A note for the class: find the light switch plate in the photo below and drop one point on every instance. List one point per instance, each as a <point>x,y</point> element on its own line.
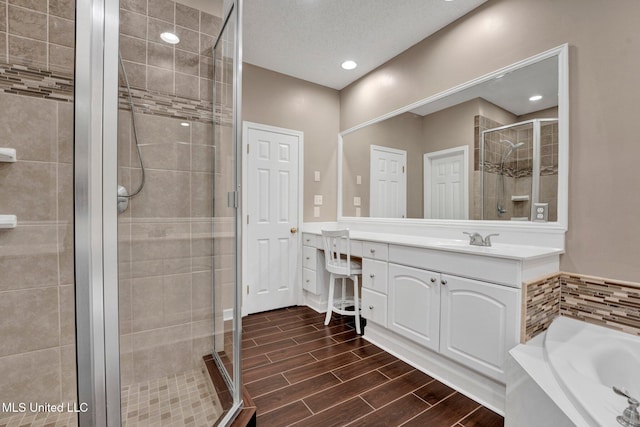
<point>317,200</point>
<point>358,212</point>
<point>356,201</point>
<point>358,179</point>
<point>316,176</point>
<point>541,212</point>
<point>316,212</point>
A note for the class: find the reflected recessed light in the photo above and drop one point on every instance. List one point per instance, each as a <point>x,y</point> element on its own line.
<point>349,65</point>
<point>535,98</point>
<point>185,124</point>
<point>170,38</point>
<point>500,76</point>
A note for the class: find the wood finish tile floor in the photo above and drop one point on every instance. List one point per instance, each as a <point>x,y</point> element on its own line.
<point>302,373</point>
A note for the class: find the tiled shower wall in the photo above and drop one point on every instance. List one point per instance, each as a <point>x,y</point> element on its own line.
<point>168,257</point>
<point>37,325</point>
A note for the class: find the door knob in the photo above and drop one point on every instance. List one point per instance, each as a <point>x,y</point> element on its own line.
<point>294,230</point>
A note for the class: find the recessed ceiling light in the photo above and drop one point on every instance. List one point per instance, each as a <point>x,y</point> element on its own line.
<point>349,65</point>
<point>185,124</point>
<point>535,98</point>
<point>170,38</point>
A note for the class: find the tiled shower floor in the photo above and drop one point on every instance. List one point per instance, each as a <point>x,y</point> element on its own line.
<point>177,401</point>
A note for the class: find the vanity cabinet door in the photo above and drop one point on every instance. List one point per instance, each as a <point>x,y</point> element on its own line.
<point>414,304</point>
<point>479,324</point>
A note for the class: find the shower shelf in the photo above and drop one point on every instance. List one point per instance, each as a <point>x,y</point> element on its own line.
<point>524,198</point>
<point>8,221</point>
<point>8,155</point>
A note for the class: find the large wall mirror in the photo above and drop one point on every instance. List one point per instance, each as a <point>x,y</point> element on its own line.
<point>494,148</point>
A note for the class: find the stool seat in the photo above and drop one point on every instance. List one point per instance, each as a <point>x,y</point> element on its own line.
<point>337,255</point>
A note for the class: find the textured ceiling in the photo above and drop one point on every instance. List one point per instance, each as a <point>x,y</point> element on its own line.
<point>309,39</point>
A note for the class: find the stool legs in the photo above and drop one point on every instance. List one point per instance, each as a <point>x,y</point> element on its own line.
<point>327,318</point>
<point>356,299</point>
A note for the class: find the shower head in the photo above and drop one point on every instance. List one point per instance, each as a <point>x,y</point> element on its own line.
<point>513,146</point>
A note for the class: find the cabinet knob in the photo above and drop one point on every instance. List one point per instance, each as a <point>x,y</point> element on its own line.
<point>307,280</point>
<point>370,307</point>
<point>433,280</point>
<point>372,275</point>
<point>372,250</point>
<point>307,258</point>
<point>444,282</point>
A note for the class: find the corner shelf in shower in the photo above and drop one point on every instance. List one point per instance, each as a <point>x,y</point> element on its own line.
<point>524,198</point>
<point>8,221</point>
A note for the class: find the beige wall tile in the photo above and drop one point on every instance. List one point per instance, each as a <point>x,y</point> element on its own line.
<point>27,23</point>
<point>31,187</point>
<point>30,254</point>
<point>38,5</point>
<point>160,80</point>
<point>160,351</point>
<point>3,46</point>
<point>187,17</point>
<point>160,55</point>
<point>166,195</point>
<point>65,132</point>
<point>189,40</point>
<point>187,86</point>
<point>29,125</point>
<point>136,73</point>
<point>162,9</point>
<point>31,377</point>
<point>66,253</point>
<point>67,314</point>
<point>133,24</point>
<point>202,296</point>
<point>202,157</point>
<point>139,6</point>
<point>202,195</point>
<point>30,320</point>
<point>187,62</point>
<point>3,17</point>
<point>210,24</point>
<point>159,241</point>
<point>176,290</point>
<point>27,51</point>
<point>202,133</point>
<point>124,306</point>
<point>62,8</point>
<point>133,49</point>
<point>61,31</point>
<point>147,304</point>
<point>65,192</point>
<point>206,90</point>
<point>68,373</point>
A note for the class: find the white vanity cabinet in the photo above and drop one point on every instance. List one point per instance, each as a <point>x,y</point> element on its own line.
<point>478,323</point>
<point>313,271</point>
<point>374,282</point>
<point>414,304</point>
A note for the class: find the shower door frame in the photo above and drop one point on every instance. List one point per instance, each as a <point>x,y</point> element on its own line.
<point>95,212</point>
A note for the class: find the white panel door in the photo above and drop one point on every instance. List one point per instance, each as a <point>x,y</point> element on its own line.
<point>414,304</point>
<point>479,324</point>
<point>272,209</point>
<point>388,193</point>
<point>446,184</point>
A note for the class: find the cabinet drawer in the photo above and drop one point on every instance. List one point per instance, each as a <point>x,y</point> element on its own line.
<point>374,307</point>
<point>310,240</point>
<point>375,250</point>
<point>374,275</point>
<point>309,257</point>
<point>309,281</point>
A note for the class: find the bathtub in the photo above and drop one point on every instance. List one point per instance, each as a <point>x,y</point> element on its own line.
<point>566,374</point>
<point>587,360</point>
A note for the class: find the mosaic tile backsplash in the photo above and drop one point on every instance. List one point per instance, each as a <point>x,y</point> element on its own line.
<point>609,303</point>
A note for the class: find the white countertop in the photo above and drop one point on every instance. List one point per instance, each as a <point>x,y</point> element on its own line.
<point>497,250</point>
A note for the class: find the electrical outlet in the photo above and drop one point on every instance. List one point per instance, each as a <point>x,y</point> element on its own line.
<point>358,212</point>
<point>316,212</point>
<point>316,176</point>
<point>358,179</point>
<point>541,212</point>
<point>317,200</point>
<point>356,201</point>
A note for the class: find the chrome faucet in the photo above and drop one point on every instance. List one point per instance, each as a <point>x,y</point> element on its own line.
<point>476,239</point>
<point>630,417</point>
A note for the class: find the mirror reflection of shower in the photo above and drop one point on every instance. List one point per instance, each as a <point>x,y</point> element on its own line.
<point>500,190</point>
<point>518,167</point>
<point>123,193</point>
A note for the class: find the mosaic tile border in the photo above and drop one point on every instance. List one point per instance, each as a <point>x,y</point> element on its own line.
<point>609,303</point>
<point>36,82</point>
<point>56,86</point>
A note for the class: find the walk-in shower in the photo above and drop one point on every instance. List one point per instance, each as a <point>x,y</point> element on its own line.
<point>519,165</point>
